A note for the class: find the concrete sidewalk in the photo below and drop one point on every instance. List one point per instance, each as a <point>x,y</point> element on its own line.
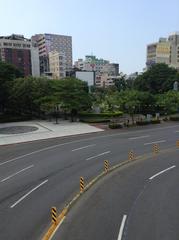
<point>10,132</point>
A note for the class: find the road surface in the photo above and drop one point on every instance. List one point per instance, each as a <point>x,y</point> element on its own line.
<point>36,176</point>
<point>138,201</point>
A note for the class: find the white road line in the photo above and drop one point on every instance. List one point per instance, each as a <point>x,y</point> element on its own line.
<point>101,154</point>
<point>133,138</point>
<point>76,149</point>
<point>159,173</point>
<point>22,170</point>
<point>160,141</point>
<point>122,227</point>
<point>27,194</point>
<point>85,139</point>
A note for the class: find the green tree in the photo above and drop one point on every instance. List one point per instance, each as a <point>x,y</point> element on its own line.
<point>130,101</point>
<point>158,79</point>
<point>120,82</point>
<point>26,93</point>
<point>169,101</point>
<point>73,95</point>
<point>8,73</point>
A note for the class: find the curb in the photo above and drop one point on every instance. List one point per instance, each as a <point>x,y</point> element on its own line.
<point>53,227</point>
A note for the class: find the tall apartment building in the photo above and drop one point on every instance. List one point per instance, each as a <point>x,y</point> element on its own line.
<point>52,42</point>
<point>21,52</point>
<point>164,51</point>
<point>174,46</point>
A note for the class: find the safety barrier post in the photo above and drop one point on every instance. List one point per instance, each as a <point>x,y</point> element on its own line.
<point>155,148</point>
<point>82,184</point>
<point>131,155</point>
<point>106,166</point>
<point>54,215</point>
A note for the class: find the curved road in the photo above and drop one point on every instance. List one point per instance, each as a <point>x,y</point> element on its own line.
<point>35,176</point>
<point>138,201</point>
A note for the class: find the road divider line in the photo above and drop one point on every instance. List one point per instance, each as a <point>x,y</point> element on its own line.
<point>27,194</point>
<point>140,137</point>
<point>85,139</point>
<point>14,174</point>
<point>77,149</point>
<point>122,227</point>
<point>160,141</point>
<point>101,154</point>
<point>159,173</point>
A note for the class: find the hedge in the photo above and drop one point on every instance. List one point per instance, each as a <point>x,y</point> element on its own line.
<point>97,120</point>
<point>100,115</point>
<point>155,121</point>
<point>115,125</point>
<point>8,118</point>
<point>141,123</point>
<point>174,118</point>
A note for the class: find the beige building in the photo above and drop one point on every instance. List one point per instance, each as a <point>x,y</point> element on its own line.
<point>105,80</point>
<point>158,52</point>
<point>164,51</point>
<point>57,64</point>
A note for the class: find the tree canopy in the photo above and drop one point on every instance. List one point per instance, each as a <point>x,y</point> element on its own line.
<point>73,95</point>
<point>158,79</point>
<point>35,95</point>
<point>8,73</point>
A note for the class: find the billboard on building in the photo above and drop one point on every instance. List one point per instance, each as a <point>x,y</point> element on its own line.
<point>88,77</point>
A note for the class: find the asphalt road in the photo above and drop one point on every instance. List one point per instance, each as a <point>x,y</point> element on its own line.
<point>140,199</point>
<point>35,176</point>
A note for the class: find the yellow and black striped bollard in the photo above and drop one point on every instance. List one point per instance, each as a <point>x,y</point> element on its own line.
<point>82,184</point>
<point>177,143</point>
<point>54,215</point>
<point>106,166</point>
<point>131,155</point>
<point>155,148</point>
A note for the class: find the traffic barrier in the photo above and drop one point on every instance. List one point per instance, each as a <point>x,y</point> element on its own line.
<point>155,148</point>
<point>131,155</point>
<point>82,184</point>
<point>177,143</point>
<point>54,215</point>
<point>106,166</point>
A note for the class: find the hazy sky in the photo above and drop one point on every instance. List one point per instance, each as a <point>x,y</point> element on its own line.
<point>117,30</point>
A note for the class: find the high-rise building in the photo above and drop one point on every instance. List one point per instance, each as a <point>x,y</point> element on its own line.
<point>52,42</point>
<point>21,52</point>
<point>174,46</point>
<point>164,51</point>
